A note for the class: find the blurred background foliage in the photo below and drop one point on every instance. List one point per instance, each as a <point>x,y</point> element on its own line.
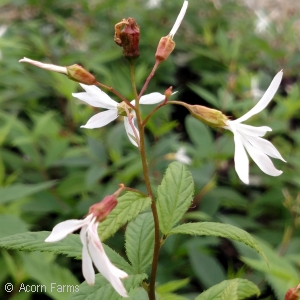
<point>51,170</point>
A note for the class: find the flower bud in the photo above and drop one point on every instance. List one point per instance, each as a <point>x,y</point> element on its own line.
<point>292,293</point>
<point>168,92</point>
<point>102,209</point>
<point>128,38</point>
<point>209,116</point>
<point>79,74</point>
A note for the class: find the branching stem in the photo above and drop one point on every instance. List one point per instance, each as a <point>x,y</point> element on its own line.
<point>151,290</point>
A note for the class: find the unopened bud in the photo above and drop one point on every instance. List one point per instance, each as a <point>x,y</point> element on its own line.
<point>127,36</point>
<point>209,116</point>
<point>74,72</point>
<point>102,209</point>
<point>168,92</point>
<point>79,74</point>
<point>292,293</point>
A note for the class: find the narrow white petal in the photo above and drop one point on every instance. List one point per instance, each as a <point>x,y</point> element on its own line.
<point>264,101</point>
<point>130,132</point>
<point>241,160</point>
<point>102,262</point>
<point>61,230</point>
<point>152,98</point>
<point>87,264</point>
<point>261,159</point>
<point>92,100</point>
<point>48,67</point>
<point>264,146</point>
<point>98,95</point>
<point>252,130</point>
<point>101,119</point>
<point>179,19</point>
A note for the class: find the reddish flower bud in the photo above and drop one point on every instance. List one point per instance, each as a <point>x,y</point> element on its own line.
<point>102,209</point>
<point>292,293</point>
<point>168,92</point>
<point>128,37</point>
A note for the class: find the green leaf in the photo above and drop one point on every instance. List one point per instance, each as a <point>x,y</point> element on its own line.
<point>172,286</point>
<point>140,242</point>
<point>128,207</point>
<point>102,289</point>
<point>201,136</point>
<point>11,224</point>
<point>55,280</point>
<point>174,196</point>
<point>245,289</point>
<point>230,292</point>
<point>220,230</point>
<point>17,191</point>
<point>70,246</point>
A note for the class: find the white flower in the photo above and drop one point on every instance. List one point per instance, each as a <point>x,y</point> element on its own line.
<point>92,251</point>
<point>179,19</point>
<point>250,137</point>
<point>97,98</point>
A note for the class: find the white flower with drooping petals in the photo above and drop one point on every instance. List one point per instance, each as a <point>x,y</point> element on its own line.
<point>97,98</point>
<point>250,137</point>
<point>92,251</point>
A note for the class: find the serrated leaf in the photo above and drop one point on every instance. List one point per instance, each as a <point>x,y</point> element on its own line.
<point>220,230</point>
<point>54,280</point>
<point>230,292</point>
<point>140,242</point>
<point>16,191</point>
<point>245,289</point>
<point>70,246</point>
<point>128,207</point>
<point>174,196</point>
<point>102,289</point>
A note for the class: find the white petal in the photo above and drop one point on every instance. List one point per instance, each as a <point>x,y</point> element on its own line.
<point>241,160</point>
<point>264,101</point>
<point>179,19</point>
<point>96,95</point>
<point>261,159</point>
<point>252,130</point>
<point>101,119</point>
<point>130,132</point>
<point>48,67</point>
<point>61,230</point>
<point>87,264</point>
<point>264,146</point>
<point>152,98</point>
<point>102,262</point>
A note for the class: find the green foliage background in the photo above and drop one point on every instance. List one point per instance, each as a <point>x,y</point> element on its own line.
<point>51,170</point>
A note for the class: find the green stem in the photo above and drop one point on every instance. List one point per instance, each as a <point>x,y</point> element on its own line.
<point>151,291</point>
